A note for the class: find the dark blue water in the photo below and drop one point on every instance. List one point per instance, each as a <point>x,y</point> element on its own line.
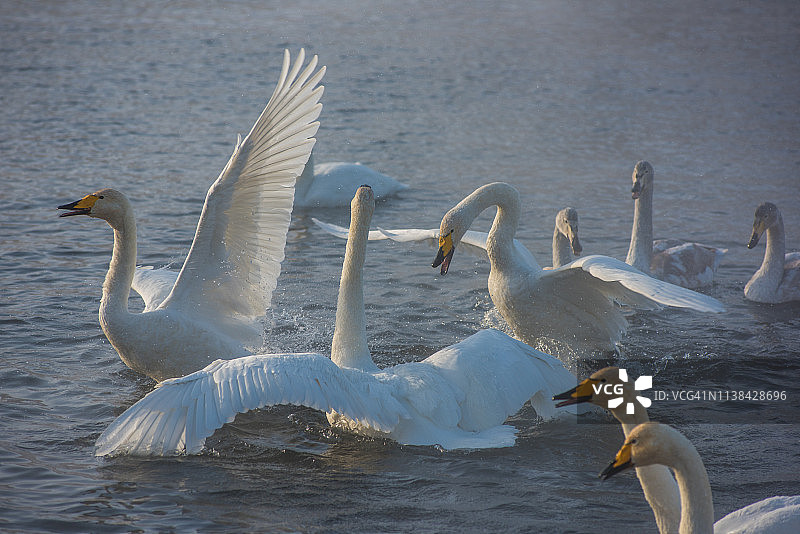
<point>558,98</point>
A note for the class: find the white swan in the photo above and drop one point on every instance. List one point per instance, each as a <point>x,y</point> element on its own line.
<point>330,185</point>
<point>575,303</point>
<point>456,398</point>
<point>778,278</point>
<point>610,387</point>
<point>565,236</point>
<point>211,309</point>
<point>681,263</point>
<point>654,443</point>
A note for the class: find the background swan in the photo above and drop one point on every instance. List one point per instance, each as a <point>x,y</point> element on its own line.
<point>602,389</point>
<point>330,185</point>
<point>456,398</point>
<point>565,236</point>
<point>575,303</point>
<point>682,263</point>
<point>778,278</point>
<point>211,309</point>
<point>654,443</point>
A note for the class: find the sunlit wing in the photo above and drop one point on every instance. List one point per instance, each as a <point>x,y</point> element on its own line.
<point>234,261</point>
<point>153,285</point>
<point>179,415</point>
<point>629,286</point>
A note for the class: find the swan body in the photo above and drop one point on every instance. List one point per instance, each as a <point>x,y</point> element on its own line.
<point>576,303</point>
<point>211,309</point>
<point>659,444</point>
<point>330,185</point>
<point>659,486</point>
<point>458,397</point>
<point>778,278</point>
<point>686,264</point>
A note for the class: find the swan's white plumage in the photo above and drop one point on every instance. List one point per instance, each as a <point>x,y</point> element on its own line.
<point>332,184</point>
<point>778,278</point>
<point>575,303</point>
<point>213,307</point>
<point>458,397</point>
<point>687,264</point>
<point>658,444</point>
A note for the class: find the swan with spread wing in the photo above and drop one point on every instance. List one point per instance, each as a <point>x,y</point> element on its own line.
<point>211,309</point>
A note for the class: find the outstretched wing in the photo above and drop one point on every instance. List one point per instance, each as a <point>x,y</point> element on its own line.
<point>178,416</point>
<point>234,262</point>
<point>153,285</point>
<point>475,241</point>
<point>627,285</point>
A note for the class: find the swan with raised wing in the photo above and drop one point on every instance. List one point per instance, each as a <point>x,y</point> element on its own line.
<point>778,278</point>
<point>458,397</point>
<point>610,387</point>
<point>675,261</point>
<point>658,444</point>
<point>577,303</point>
<point>211,309</point>
<point>332,184</point>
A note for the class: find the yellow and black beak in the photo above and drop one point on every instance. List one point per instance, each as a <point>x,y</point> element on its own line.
<point>621,462</point>
<point>445,254</point>
<point>580,393</point>
<point>79,207</point>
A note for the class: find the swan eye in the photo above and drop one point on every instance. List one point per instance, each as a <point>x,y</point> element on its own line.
<point>101,196</point>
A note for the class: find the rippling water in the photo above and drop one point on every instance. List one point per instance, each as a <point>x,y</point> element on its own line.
<point>558,98</point>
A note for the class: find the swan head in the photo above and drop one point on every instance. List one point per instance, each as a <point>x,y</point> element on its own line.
<point>454,226</point>
<point>648,444</point>
<point>767,215</point>
<point>567,225</point>
<point>642,178</point>
<point>601,387</point>
<point>107,204</point>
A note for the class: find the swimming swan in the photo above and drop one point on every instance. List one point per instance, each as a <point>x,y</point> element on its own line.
<point>565,236</point>
<point>654,443</point>
<point>330,185</point>
<point>575,303</point>
<point>778,279</point>
<point>610,387</point>
<point>681,263</point>
<point>211,309</point>
<point>456,398</point>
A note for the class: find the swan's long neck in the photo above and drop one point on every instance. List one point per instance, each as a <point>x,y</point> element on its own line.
<point>500,242</point>
<point>117,285</point>
<point>349,347</point>
<point>305,180</point>
<point>697,505</point>
<point>657,483</point>
<point>774,255</point>
<point>640,252</point>
<point>562,249</point>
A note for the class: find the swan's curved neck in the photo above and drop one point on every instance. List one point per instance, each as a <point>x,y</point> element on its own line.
<point>349,347</point>
<point>305,180</point>
<point>697,505</point>
<point>117,285</point>
<point>500,242</point>
<point>774,255</point>
<point>562,249</point>
<point>640,252</point>
<point>630,421</point>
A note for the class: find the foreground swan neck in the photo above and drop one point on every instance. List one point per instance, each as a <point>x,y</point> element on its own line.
<point>499,243</point>
<point>117,284</point>
<point>640,252</point>
<point>349,347</point>
<point>774,255</point>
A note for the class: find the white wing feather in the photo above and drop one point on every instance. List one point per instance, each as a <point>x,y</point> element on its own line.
<point>234,262</point>
<point>612,271</point>
<point>179,415</point>
<point>153,285</point>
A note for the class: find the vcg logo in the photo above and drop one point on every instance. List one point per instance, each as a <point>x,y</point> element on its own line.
<point>616,390</point>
